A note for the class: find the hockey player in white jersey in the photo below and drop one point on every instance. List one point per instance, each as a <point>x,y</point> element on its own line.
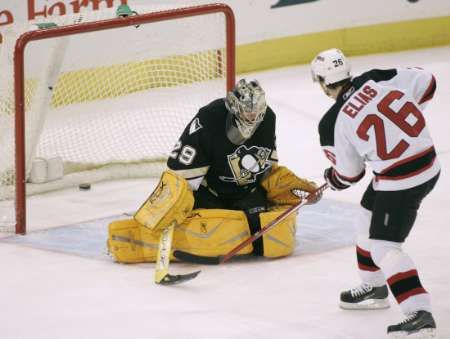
<point>378,120</point>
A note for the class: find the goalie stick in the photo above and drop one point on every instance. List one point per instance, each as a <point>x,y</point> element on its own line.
<point>222,259</point>
<point>162,275</point>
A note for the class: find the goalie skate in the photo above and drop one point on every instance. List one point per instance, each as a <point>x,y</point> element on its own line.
<point>365,297</point>
<point>417,325</point>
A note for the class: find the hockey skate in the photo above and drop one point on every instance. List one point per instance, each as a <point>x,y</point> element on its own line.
<point>417,325</point>
<point>365,297</point>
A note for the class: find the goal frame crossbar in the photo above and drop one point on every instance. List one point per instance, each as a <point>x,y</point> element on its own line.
<point>88,27</point>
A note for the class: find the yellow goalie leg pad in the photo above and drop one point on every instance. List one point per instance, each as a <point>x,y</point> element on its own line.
<point>212,232</point>
<point>280,240</point>
<point>130,243</point>
<point>172,200</point>
<point>282,182</point>
<point>207,232</point>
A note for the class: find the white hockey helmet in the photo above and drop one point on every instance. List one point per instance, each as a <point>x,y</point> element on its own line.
<point>330,66</point>
<point>247,103</point>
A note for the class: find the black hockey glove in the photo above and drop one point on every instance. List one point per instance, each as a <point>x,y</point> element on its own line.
<point>333,180</point>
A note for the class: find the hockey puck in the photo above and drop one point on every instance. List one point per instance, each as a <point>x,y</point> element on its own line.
<point>84,186</point>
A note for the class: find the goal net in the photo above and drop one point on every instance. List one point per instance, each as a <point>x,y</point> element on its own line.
<point>106,94</point>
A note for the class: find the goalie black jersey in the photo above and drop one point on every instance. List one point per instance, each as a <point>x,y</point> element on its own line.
<point>204,154</point>
<point>379,119</point>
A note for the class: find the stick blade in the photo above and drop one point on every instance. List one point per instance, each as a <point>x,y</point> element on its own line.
<point>196,259</point>
<point>170,279</point>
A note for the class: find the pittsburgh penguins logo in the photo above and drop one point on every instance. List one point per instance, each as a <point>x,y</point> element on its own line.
<point>246,163</point>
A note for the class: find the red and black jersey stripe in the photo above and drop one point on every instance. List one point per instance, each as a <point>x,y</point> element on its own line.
<point>409,167</point>
<point>351,179</point>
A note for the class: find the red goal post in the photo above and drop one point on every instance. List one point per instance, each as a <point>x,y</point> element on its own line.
<point>88,27</point>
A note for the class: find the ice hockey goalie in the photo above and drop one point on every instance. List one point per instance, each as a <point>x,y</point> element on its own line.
<point>223,184</point>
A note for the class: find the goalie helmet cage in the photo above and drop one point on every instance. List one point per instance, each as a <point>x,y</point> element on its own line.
<point>211,71</point>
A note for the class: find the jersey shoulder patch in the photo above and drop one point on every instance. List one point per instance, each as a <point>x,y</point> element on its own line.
<point>195,126</point>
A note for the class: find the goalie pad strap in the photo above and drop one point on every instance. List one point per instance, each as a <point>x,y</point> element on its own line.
<point>255,226</point>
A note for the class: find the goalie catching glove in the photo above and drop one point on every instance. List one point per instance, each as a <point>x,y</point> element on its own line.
<point>285,188</point>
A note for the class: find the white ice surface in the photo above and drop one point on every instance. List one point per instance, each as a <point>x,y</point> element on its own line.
<point>51,295</point>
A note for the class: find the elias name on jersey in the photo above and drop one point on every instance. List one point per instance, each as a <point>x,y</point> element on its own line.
<point>359,100</point>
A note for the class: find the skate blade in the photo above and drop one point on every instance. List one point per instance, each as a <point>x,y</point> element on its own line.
<point>425,333</point>
<point>371,304</point>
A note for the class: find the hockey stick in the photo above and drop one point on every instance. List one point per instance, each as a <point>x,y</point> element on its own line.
<point>162,275</point>
<point>222,259</point>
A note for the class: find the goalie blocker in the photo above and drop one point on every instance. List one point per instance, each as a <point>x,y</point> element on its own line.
<point>204,232</point>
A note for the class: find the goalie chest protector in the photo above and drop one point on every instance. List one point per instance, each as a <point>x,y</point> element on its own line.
<point>230,170</point>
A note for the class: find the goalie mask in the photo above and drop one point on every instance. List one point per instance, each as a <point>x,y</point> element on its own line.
<point>330,66</point>
<point>247,105</point>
